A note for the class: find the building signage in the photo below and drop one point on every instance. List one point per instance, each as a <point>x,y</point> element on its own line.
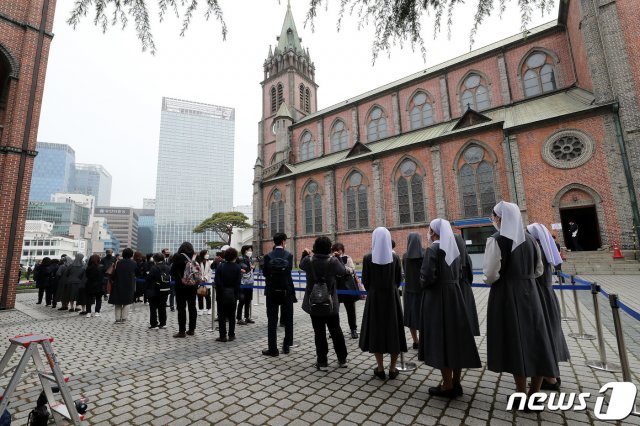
<point>113,211</point>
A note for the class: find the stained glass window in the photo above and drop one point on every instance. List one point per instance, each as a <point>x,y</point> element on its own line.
<point>475,94</point>
<point>339,136</point>
<point>410,193</point>
<point>476,183</point>
<point>273,100</point>
<point>306,147</point>
<point>377,125</point>
<point>280,94</point>
<point>276,213</point>
<point>312,209</point>
<point>539,76</point>
<point>357,203</point>
<point>421,111</point>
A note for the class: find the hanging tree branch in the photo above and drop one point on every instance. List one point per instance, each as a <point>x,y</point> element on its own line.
<point>396,22</point>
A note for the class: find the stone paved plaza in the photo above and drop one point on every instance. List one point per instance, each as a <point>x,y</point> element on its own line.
<point>136,376</point>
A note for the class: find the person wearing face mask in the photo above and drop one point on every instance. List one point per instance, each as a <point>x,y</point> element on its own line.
<point>518,339</point>
<point>246,294</point>
<point>207,275</point>
<point>446,338</point>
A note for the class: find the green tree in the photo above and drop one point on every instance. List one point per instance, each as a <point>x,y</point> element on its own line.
<point>222,224</point>
<point>395,21</point>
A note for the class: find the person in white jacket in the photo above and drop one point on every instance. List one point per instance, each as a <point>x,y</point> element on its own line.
<point>207,274</point>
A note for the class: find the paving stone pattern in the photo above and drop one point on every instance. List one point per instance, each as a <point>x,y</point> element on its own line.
<point>136,376</point>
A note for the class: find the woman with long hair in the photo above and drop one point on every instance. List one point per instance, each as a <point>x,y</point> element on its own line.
<point>246,294</point>
<point>207,275</point>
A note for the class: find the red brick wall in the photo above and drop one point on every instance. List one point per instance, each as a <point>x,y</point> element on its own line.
<point>574,35</point>
<point>432,88</point>
<point>629,15</point>
<point>21,45</point>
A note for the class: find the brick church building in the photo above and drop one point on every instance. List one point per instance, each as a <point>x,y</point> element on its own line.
<point>25,37</point>
<point>549,121</point>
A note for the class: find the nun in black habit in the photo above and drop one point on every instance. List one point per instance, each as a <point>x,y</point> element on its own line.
<point>466,279</point>
<point>550,259</point>
<point>411,263</point>
<point>446,338</point>
<point>518,339</point>
<point>382,331</point>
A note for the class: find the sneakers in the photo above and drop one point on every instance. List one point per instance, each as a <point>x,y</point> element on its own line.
<point>180,334</point>
<point>249,321</point>
<point>342,363</point>
<point>322,366</point>
<point>208,311</point>
<point>153,327</point>
<point>97,314</point>
<point>89,315</point>
<point>162,327</point>
<point>354,334</point>
<point>241,322</point>
<point>221,339</point>
<point>200,312</point>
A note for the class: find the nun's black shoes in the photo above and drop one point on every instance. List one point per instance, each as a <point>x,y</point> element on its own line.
<point>393,374</point>
<point>551,386</point>
<point>415,345</point>
<point>449,393</point>
<point>380,374</point>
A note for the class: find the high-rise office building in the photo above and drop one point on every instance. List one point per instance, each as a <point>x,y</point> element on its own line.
<point>68,217</point>
<point>93,179</point>
<point>123,223</point>
<point>195,170</point>
<point>149,203</point>
<point>53,170</point>
<point>146,225</point>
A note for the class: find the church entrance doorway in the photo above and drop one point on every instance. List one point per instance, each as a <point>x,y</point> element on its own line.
<point>588,229</point>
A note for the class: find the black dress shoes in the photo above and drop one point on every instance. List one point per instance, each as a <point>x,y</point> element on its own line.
<point>438,391</point>
<point>354,334</point>
<point>268,352</point>
<point>286,350</point>
<point>380,374</point>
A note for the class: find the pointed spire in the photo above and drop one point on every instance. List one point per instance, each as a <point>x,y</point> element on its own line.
<point>270,53</point>
<point>289,35</point>
<point>283,112</point>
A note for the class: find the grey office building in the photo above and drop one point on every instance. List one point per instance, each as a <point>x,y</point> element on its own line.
<point>123,223</point>
<point>195,170</point>
<point>93,179</point>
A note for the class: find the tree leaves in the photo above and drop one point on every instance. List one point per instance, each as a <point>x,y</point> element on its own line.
<point>222,224</point>
<point>396,22</point>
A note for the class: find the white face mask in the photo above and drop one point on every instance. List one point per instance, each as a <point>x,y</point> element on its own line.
<point>495,225</point>
<point>249,253</point>
<point>206,256</point>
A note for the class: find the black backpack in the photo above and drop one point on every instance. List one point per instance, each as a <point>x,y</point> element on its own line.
<point>164,281</point>
<point>320,302</point>
<point>39,416</point>
<point>279,278</point>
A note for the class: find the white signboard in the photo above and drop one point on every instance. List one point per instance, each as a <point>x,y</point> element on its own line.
<point>556,226</point>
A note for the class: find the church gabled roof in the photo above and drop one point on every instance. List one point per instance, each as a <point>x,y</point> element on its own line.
<point>289,38</point>
<point>283,112</point>
<point>470,118</point>
<point>357,149</point>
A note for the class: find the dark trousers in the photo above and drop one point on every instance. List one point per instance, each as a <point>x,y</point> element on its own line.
<point>48,295</point>
<point>40,294</point>
<point>576,244</point>
<point>53,286</point>
<point>244,302</point>
<point>226,312</point>
<point>201,300</point>
<point>158,309</point>
<point>350,307</point>
<point>272,316</point>
<point>186,297</point>
<point>94,298</point>
<point>172,297</point>
<point>320,326</point>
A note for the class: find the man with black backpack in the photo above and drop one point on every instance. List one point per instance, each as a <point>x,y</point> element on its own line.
<point>280,293</point>
<point>157,290</point>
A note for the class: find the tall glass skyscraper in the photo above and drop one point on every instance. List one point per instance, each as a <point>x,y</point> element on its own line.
<point>53,170</point>
<point>93,179</point>
<point>195,170</point>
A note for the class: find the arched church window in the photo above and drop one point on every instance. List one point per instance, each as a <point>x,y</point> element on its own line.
<point>420,111</point>
<point>476,180</point>
<point>475,94</point>
<point>312,209</point>
<point>280,94</point>
<point>276,212</point>
<point>306,147</point>
<point>376,125</point>
<point>302,97</point>
<point>410,193</point>
<point>538,74</point>
<point>339,136</point>
<point>357,202</point>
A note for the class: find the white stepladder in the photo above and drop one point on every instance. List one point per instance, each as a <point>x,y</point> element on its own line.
<point>65,409</point>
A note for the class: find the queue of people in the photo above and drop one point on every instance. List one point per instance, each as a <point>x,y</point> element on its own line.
<point>524,332</point>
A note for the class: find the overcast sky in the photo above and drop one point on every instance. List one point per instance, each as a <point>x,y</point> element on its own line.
<point>103,94</point>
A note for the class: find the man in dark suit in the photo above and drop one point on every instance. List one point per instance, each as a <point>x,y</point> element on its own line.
<point>280,293</point>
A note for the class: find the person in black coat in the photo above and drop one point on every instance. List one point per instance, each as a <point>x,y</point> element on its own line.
<point>322,266</point>
<point>227,281</point>
<point>123,285</point>
<point>185,294</point>
<point>157,291</point>
<point>382,330</point>
<point>411,263</point>
<point>93,287</point>
<point>280,293</point>
<point>41,275</point>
